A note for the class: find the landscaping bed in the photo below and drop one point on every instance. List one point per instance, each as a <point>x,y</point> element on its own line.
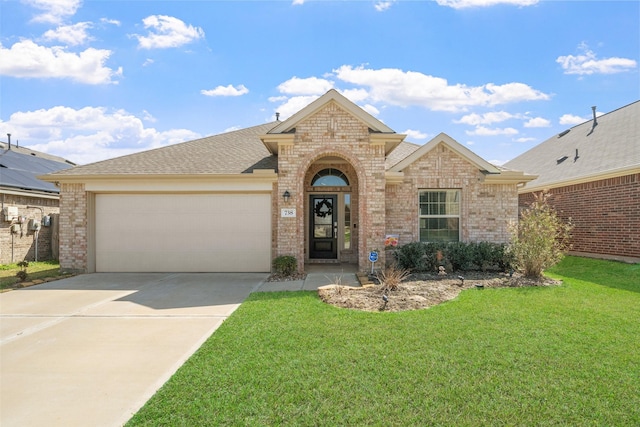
<point>421,291</point>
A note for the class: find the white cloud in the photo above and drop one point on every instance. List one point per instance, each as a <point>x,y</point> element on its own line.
<point>226,91</point>
<point>293,105</point>
<point>297,2</point>
<point>71,35</point>
<point>166,32</point>
<point>26,59</point>
<point>463,4</point>
<point>570,119</point>
<point>355,95</point>
<point>411,88</point>
<point>308,86</point>
<point>381,6</point>
<point>587,63</point>
<point>54,11</point>
<point>485,131</point>
<point>370,109</point>
<point>475,119</point>
<point>524,139</point>
<point>147,62</point>
<point>110,21</point>
<point>497,162</point>
<point>415,134</point>
<point>90,134</point>
<point>537,122</point>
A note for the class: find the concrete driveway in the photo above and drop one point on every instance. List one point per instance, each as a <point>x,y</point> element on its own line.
<point>92,349</point>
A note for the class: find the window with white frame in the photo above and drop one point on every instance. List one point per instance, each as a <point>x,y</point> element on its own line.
<point>439,215</point>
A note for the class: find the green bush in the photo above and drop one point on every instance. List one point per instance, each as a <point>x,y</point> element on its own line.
<point>423,256</point>
<point>539,238</point>
<point>285,265</point>
<point>411,256</point>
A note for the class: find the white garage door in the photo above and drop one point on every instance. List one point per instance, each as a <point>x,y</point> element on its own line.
<point>183,232</point>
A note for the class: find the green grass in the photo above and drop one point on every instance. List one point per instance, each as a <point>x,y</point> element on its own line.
<point>557,356</point>
<point>36,270</point>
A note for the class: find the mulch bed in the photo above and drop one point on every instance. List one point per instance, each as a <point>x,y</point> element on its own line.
<point>421,291</point>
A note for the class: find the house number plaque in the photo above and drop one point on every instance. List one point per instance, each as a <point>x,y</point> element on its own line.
<point>288,213</point>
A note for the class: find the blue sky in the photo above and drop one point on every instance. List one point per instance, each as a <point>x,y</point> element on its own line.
<point>90,80</point>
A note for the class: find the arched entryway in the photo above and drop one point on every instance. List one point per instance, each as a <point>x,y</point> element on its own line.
<point>331,212</point>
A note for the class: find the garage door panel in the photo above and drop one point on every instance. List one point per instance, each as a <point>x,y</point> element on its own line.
<point>189,232</point>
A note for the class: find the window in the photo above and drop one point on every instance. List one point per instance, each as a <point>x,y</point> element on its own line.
<point>347,221</point>
<point>439,215</point>
<point>331,178</point>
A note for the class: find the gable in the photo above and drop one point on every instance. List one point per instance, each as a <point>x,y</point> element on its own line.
<point>453,145</point>
<point>285,132</point>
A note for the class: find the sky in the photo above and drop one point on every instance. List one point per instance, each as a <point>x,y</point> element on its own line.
<point>92,80</point>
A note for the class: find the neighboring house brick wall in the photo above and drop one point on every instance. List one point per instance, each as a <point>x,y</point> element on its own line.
<point>21,246</point>
<point>486,209</point>
<point>73,227</point>
<point>605,214</point>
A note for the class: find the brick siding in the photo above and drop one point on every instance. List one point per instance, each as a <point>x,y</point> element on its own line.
<point>332,132</point>
<point>73,227</point>
<point>486,210</point>
<point>605,214</point>
<point>21,246</point>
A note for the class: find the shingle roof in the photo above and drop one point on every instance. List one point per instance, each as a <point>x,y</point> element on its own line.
<point>613,144</point>
<point>403,150</point>
<point>234,152</point>
<point>20,166</point>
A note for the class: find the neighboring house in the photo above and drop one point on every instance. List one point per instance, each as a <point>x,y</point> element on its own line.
<point>329,184</point>
<point>27,203</point>
<point>592,172</point>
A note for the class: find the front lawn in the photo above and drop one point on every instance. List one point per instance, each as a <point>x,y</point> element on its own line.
<point>565,355</point>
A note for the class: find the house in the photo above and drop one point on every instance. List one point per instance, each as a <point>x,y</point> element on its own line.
<point>327,185</point>
<point>592,172</point>
<point>30,206</point>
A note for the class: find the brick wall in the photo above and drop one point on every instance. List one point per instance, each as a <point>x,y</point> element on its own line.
<point>486,209</point>
<point>73,227</point>
<point>21,246</point>
<point>332,132</point>
<point>605,214</point>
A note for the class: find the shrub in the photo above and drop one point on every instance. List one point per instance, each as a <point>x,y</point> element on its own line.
<point>22,274</point>
<point>428,256</point>
<point>391,277</point>
<point>411,256</point>
<point>539,238</point>
<point>285,265</point>
<point>460,255</point>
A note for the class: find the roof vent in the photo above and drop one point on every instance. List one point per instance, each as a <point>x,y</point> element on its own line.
<point>595,122</point>
<point>277,116</point>
<point>561,159</point>
<point>563,133</point>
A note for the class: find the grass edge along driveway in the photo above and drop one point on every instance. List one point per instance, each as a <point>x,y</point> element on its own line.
<point>565,355</point>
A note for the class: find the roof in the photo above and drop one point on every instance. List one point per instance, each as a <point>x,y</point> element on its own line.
<point>253,149</point>
<point>20,166</point>
<point>236,152</point>
<point>586,152</point>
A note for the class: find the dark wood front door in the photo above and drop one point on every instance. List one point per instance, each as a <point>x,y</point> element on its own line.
<point>323,227</point>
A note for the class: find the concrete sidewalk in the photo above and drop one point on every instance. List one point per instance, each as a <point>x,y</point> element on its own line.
<point>92,349</point>
<point>317,275</point>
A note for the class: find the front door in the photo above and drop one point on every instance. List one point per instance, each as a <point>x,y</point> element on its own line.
<point>323,228</point>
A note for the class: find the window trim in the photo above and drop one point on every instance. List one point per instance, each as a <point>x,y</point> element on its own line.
<point>426,216</point>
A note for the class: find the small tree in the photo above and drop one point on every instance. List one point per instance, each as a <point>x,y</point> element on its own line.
<point>539,239</point>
